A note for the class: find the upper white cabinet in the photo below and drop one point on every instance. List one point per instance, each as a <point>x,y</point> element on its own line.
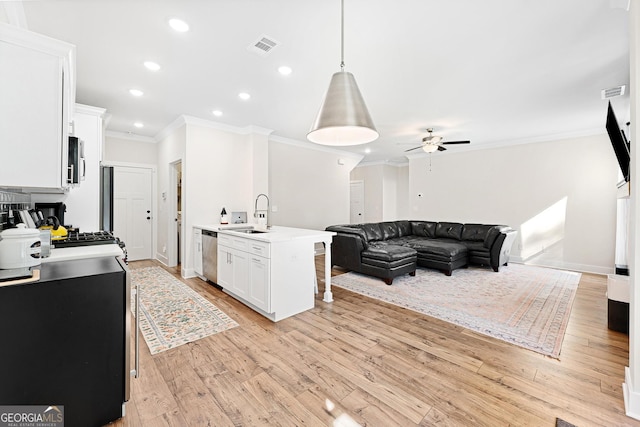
<point>37,88</point>
<point>83,202</point>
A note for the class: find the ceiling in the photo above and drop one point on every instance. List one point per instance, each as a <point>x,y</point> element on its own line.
<point>495,72</point>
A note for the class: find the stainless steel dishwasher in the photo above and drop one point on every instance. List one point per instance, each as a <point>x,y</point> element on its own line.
<point>210,255</point>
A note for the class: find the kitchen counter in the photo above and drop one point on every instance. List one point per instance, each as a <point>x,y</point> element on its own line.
<point>277,234</point>
<point>82,252</point>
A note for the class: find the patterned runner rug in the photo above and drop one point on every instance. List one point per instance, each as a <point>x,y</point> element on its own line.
<point>172,313</point>
<point>523,305</point>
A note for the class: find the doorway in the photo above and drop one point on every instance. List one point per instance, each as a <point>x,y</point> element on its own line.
<point>176,241</point>
<point>356,203</point>
<point>132,210</point>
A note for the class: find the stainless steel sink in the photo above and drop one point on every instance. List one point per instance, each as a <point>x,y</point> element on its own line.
<point>252,231</point>
<point>246,230</point>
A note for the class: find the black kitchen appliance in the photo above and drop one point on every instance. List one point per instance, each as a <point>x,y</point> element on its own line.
<point>90,238</point>
<point>76,163</point>
<point>86,238</point>
<point>53,209</point>
<point>67,340</point>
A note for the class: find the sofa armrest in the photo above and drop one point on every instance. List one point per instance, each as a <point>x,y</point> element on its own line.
<point>501,247</point>
<point>346,251</point>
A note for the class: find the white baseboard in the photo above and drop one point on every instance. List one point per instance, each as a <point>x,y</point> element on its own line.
<point>561,265</point>
<point>631,396</point>
<point>163,259</point>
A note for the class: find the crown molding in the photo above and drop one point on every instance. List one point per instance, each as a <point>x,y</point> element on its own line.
<point>315,147</point>
<point>88,109</point>
<point>130,136</point>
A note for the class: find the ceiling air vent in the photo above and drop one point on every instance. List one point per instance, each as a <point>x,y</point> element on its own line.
<point>263,45</point>
<point>613,92</point>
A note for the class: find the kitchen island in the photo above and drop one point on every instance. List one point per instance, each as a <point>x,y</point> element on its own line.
<point>270,270</point>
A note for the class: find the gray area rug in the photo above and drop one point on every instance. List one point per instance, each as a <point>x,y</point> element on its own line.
<point>523,305</point>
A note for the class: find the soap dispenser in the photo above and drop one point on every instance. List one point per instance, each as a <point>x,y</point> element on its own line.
<point>224,219</point>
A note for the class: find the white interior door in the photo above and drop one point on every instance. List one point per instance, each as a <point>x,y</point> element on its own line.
<point>357,202</point>
<point>132,216</point>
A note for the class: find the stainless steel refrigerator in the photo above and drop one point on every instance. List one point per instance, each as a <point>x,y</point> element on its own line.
<point>106,198</point>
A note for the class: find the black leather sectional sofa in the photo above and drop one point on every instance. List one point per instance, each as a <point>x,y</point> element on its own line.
<point>390,249</point>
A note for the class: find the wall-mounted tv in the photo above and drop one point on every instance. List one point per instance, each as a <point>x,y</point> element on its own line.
<point>619,142</point>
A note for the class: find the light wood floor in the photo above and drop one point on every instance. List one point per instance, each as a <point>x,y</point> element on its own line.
<point>383,366</point>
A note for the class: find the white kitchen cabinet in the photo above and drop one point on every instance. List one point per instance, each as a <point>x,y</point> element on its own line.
<point>274,278</point>
<point>260,282</point>
<point>197,252</point>
<point>233,267</point>
<point>83,202</point>
<point>38,90</point>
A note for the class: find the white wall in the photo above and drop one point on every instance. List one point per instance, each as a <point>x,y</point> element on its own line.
<point>385,191</point>
<point>171,148</point>
<point>218,174</point>
<point>308,186</point>
<point>403,210</point>
<point>373,177</point>
<point>120,149</point>
<point>560,195</point>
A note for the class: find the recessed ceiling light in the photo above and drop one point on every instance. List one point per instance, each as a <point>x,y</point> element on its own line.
<point>138,125</point>
<point>367,150</point>
<point>216,113</point>
<point>178,25</point>
<point>152,66</point>
<point>136,92</point>
<point>284,70</point>
<point>244,95</point>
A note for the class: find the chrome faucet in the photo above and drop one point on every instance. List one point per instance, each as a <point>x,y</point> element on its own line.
<point>262,212</point>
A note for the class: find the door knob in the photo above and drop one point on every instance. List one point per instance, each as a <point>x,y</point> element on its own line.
<point>148,211</point>
<point>148,217</point>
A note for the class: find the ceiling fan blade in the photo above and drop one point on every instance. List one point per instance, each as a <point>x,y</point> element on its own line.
<point>457,142</point>
<point>441,148</point>
<point>411,149</point>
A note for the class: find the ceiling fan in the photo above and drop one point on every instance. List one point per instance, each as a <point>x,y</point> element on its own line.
<point>431,143</point>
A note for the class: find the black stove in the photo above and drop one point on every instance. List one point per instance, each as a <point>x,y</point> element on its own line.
<point>76,238</point>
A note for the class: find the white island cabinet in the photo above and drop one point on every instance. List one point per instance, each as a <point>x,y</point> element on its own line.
<point>271,272</point>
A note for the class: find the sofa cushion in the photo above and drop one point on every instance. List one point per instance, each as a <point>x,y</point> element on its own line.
<point>476,247</point>
<point>404,228</point>
<point>389,230</point>
<point>475,232</point>
<point>424,228</point>
<point>449,230</point>
<point>389,253</point>
<point>440,249</point>
<point>372,231</point>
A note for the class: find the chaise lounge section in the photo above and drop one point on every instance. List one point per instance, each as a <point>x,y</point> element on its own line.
<point>393,248</point>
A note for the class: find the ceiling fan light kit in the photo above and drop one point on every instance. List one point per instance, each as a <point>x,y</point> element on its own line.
<point>343,118</point>
<point>432,143</point>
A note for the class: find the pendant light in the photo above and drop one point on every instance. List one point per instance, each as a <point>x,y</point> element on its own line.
<point>343,118</point>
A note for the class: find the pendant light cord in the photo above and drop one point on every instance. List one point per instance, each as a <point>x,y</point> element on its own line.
<point>342,36</point>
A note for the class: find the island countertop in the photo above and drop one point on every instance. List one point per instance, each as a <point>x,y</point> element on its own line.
<point>271,235</point>
<point>278,234</point>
